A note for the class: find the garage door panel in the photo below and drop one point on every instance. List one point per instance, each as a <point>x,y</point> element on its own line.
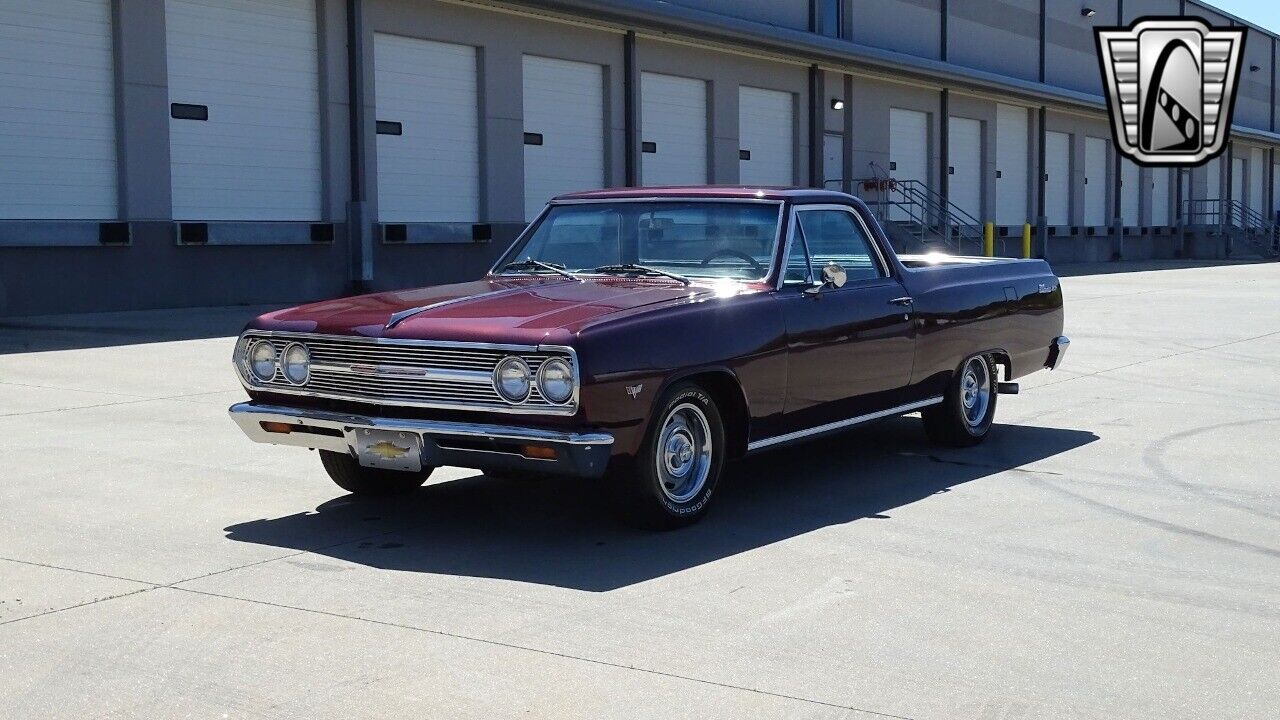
<point>766,128</point>
<point>57,110</point>
<point>908,150</point>
<point>1012,158</point>
<point>965,158</point>
<point>255,66</point>
<point>1095,188</point>
<point>1129,192</point>
<point>564,103</point>
<point>1257,180</point>
<point>431,172</point>
<point>674,118</point>
<point>1160,181</point>
<point>1058,185</point>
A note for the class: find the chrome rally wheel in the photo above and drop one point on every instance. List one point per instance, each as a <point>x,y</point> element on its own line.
<point>669,481</point>
<point>975,391</point>
<point>683,453</point>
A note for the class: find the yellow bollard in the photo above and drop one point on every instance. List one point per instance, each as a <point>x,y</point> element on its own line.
<point>988,239</point>
<point>1026,240</point>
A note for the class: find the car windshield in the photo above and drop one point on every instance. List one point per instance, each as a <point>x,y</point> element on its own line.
<point>690,239</point>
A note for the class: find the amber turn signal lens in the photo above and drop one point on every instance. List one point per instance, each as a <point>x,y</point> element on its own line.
<point>277,427</point>
<point>538,452</point>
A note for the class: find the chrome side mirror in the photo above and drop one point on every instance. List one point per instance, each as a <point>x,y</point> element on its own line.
<point>833,276</point>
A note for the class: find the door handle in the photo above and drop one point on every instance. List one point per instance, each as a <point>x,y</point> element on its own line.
<point>903,301</point>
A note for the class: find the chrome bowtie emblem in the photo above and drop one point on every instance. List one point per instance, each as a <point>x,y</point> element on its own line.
<point>1170,86</point>
<point>395,370</point>
<point>634,390</point>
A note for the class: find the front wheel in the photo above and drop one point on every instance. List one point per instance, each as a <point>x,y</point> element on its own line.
<point>967,410</point>
<point>357,479</point>
<point>672,478</point>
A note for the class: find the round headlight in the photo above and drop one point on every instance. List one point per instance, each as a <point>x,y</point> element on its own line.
<point>512,379</point>
<point>296,363</point>
<point>555,380</point>
<point>262,360</point>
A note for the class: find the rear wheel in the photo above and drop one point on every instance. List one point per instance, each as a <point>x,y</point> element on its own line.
<point>671,480</point>
<point>357,479</point>
<point>968,408</point>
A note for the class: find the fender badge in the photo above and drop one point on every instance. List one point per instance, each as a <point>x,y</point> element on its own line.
<point>634,390</point>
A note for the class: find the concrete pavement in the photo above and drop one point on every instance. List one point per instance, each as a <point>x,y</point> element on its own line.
<point>1111,551</point>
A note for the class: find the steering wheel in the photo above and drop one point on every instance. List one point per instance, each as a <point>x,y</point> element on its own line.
<point>755,265</point>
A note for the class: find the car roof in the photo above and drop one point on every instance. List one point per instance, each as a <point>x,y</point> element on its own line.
<point>729,192</point>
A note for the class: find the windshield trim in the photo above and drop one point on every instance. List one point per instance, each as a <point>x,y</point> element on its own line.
<point>532,227</point>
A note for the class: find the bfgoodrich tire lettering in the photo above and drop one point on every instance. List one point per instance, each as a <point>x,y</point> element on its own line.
<point>672,479</point>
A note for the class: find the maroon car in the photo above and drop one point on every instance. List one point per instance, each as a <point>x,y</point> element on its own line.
<point>644,337</point>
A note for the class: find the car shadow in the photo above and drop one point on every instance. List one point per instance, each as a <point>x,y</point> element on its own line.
<point>559,531</point>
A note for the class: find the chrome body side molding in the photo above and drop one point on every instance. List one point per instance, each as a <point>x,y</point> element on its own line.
<point>839,425</point>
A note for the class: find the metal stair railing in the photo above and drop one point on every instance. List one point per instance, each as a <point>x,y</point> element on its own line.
<point>1236,220</point>
<point>925,211</point>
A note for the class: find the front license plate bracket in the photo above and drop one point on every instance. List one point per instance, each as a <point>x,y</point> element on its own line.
<point>386,449</point>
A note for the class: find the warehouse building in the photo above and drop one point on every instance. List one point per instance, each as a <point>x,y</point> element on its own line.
<point>159,153</point>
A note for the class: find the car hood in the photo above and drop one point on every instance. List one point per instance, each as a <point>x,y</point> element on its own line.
<point>525,309</point>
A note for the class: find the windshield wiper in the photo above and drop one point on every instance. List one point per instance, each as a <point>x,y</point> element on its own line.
<point>640,270</point>
<point>530,264</point>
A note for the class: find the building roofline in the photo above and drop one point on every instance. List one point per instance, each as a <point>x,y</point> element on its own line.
<point>666,18</point>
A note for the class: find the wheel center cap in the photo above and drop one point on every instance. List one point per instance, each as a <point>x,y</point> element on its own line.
<point>679,454</point>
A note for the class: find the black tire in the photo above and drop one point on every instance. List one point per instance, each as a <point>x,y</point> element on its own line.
<point>357,479</point>
<point>956,423</point>
<point>663,499</point>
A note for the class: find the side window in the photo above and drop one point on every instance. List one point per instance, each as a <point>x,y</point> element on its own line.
<point>797,261</point>
<point>836,236</point>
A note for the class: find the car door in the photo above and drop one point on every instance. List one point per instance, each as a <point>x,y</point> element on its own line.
<point>849,349</point>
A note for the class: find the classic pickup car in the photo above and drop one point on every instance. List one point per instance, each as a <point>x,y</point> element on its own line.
<point>645,336</point>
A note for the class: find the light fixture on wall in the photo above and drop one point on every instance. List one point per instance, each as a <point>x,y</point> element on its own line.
<point>1088,11</point>
<point>1254,68</point>
<point>837,104</point>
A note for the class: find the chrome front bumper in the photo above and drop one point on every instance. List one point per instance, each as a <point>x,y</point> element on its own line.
<point>461,444</point>
<point>1057,351</point>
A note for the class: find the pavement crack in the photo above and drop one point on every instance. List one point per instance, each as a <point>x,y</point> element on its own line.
<point>95,601</point>
<point>549,653</point>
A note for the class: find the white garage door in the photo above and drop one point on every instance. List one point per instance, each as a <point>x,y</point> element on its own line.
<point>673,124</point>
<point>1012,177</point>
<point>1095,182</point>
<point>1160,197</point>
<point>1257,181</point>
<point>1213,188</point>
<point>254,66</point>
<point>833,161</point>
<point>1057,192</point>
<point>57,110</point>
<point>429,130</point>
<point>1275,189</point>
<point>766,137</point>
<point>908,149</point>
<point>965,157</point>
<point>1237,179</point>
<point>1130,188</point>
<point>564,129</point>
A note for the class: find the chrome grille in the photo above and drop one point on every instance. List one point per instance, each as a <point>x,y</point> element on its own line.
<point>408,373</point>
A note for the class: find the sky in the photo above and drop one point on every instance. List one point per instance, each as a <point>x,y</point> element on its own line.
<point>1259,12</point>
